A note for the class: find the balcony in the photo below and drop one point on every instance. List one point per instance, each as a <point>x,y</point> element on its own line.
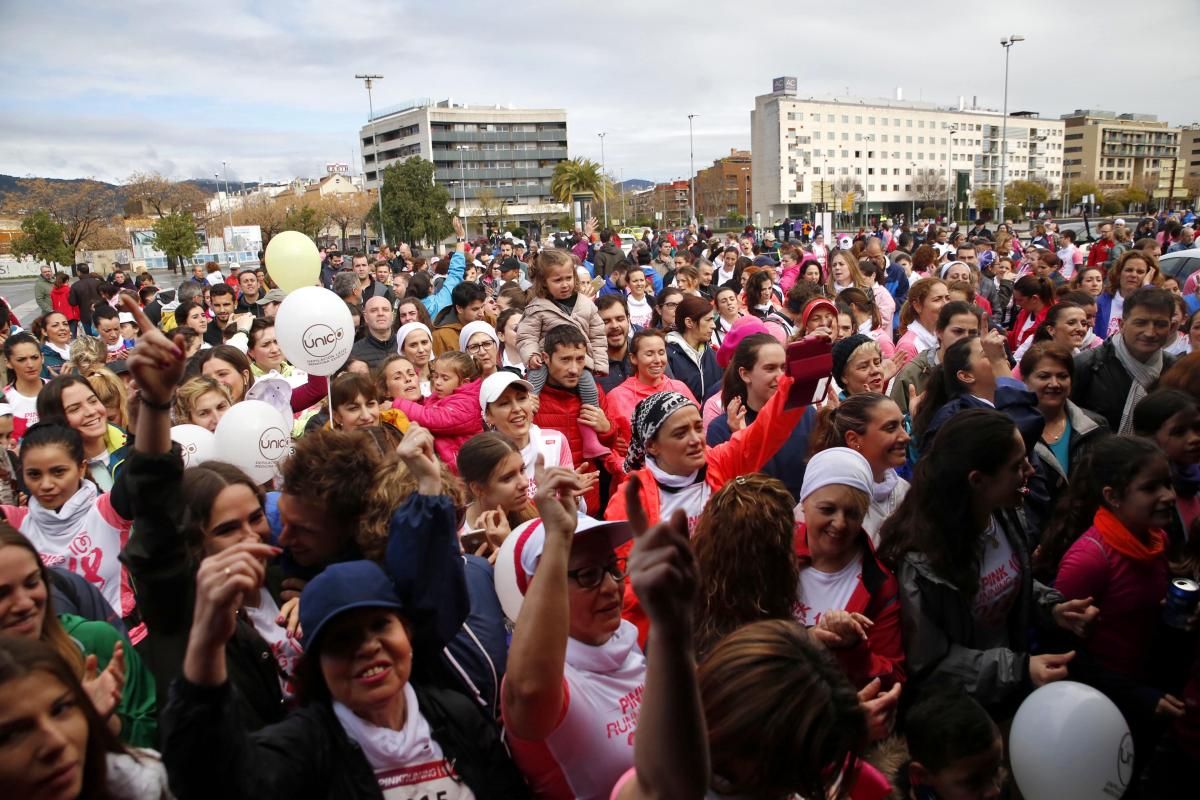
<point>506,154</point>
<point>499,136</point>
<point>444,175</point>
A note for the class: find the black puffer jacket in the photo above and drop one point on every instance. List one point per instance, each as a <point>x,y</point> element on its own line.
<point>308,756</point>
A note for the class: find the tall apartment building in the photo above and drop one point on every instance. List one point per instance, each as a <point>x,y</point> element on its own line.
<point>810,154</point>
<point>1116,151</point>
<point>1189,149</point>
<point>666,205</point>
<point>724,188</point>
<point>491,151</point>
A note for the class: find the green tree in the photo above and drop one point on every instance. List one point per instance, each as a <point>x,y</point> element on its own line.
<point>1026,194</point>
<point>305,218</point>
<point>985,199</point>
<point>175,236</point>
<point>414,207</point>
<point>44,239</point>
<point>575,176</point>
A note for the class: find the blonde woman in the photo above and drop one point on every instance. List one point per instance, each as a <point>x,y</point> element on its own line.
<point>201,401</point>
<point>110,389</point>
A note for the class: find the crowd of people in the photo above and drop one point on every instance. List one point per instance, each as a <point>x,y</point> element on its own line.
<point>559,527</point>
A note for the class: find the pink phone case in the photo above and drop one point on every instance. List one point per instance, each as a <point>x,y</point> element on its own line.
<point>810,363</point>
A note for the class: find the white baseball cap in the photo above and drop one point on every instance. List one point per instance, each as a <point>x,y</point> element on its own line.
<point>495,384</point>
<point>518,556</point>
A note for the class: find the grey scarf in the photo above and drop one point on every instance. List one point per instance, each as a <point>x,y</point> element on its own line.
<point>1144,374</point>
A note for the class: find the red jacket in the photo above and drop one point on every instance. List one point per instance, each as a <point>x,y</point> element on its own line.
<point>558,409</point>
<point>58,300</point>
<point>746,451</point>
<point>1019,333</point>
<point>1098,253</point>
<point>877,597</point>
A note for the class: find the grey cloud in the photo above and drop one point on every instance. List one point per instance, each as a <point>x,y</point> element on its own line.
<point>632,69</point>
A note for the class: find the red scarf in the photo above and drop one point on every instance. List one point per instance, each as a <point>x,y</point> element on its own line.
<point>1119,538</point>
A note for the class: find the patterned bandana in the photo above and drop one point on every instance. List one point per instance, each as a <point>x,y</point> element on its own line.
<point>648,416</point>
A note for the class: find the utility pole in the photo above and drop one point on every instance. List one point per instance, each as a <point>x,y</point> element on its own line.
<point>228,199</point>
<point>603,177</point>
<point>949,153</point>
<point>368,79</point>
<point>692,160</point>
<point>1007,44</point>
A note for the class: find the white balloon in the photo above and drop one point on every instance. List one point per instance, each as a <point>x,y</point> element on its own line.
<point>1070,742</point>
<point>198,444</point>
<point>314,330</point>
<point>254,437</point>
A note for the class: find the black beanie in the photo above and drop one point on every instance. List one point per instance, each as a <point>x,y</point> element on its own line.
<point>843,349</point>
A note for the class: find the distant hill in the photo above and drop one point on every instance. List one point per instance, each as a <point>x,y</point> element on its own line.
<point>11,183</point>
<point>635,185</point>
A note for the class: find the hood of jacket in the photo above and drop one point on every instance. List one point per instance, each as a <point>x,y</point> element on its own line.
<point>447,317</point>
<point>676,338</point>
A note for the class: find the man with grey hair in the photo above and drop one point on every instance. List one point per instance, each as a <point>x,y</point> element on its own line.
<point>347,287</point>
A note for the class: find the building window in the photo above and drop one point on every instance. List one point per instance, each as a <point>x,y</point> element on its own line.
<point>921,123</point>
<point>883,121</point>
<point>908,187</point>
<point>920,140</point>
<point>870,120</point>
<point>858,137</point>
<point>829,117</point>
<point>845,119</point>
<point>895,187</point>
<point>908,123</point>
<point>858,120</point>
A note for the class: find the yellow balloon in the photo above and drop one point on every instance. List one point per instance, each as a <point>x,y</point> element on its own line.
<point>293,260</point>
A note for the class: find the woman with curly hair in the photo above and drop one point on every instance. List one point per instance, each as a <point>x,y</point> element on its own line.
<point>748,569</point>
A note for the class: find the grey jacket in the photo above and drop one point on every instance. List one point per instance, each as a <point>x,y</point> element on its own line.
<point>916,374</point>
<point>939,635</point>
<point>41,294</point>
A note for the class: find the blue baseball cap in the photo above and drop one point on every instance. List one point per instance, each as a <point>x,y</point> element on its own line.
<point>340,588</point>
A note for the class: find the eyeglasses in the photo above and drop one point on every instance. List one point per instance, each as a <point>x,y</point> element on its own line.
<point>591,577</point>
<point>475,349</point>
<point>671,305</point>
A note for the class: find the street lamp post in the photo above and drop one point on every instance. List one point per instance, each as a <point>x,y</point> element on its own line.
<point>870,137</point>
<point>692,162</point>
<point>368,79</point>
<point>603,178</point>
<point>462,173</point>
<point>228,199</point>
<point>1006,43</point>
<point>949,153</point>
<point>913,199</point>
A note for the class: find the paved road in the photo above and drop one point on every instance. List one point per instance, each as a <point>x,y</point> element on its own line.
<point>19,294</point>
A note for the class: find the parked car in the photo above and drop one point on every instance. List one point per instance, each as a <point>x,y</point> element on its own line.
<point>1180,264</point>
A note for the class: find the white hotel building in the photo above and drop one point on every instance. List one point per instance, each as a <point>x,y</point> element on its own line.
<point>808,152</point>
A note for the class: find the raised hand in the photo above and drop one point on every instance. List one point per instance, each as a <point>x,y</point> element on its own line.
<point>156,362</point>
<point>417,453</point>
<point>735,414</point>
<point>104,688</point>
<point>662,566</point>
<point>557,488</point>
<point>459,230</point>
<point>223,583</point>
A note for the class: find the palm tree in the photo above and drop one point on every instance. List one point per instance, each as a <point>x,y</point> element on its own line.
<point>574,176</point>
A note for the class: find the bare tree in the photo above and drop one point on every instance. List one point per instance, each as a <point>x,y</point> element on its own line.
<point>929,185</point>
<point>157,194</point>
<point>347,210</point>
<point>80,206</point>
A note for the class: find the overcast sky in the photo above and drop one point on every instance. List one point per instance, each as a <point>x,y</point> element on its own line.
<point>103,89</point>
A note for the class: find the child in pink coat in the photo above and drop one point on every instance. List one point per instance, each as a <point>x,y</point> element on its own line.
<point>451,413</point>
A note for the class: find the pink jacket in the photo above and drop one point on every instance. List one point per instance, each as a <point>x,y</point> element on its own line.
<point>541,315</point>
<point>452,420</point>
<point>624,399</point>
